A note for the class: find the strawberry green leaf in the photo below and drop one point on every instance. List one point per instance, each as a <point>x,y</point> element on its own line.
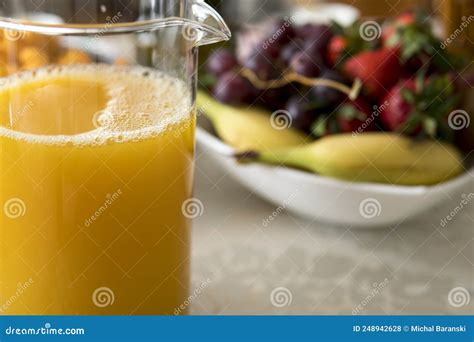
<point>319,127</point>
<point>430,126</point>
<point>408,95</point>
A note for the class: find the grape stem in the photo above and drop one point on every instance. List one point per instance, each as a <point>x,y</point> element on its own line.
<point>289,77</point>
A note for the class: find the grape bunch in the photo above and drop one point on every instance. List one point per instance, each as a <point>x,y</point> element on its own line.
<point>282,48</point>
<point>385,66</point>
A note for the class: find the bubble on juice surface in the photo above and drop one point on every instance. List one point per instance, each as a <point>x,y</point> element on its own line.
<point>142,103</point>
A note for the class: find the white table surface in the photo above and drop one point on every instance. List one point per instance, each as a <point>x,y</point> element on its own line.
<point>417,267</point>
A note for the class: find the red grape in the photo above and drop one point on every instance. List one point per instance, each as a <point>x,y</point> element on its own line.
<point>301,114</point>
<point>307,65</point>
<point>316,37</point>
<point>290,49</point>
<point>264,66</point>
<point>327,96</point>
<point>275,99</point>
<point>221,61</point>
<point>232,88</point>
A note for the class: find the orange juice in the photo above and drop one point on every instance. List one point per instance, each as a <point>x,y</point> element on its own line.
<point>95,164</point>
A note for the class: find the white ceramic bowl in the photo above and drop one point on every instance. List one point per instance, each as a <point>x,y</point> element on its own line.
<point>324,13</point>
<point>362,205</point>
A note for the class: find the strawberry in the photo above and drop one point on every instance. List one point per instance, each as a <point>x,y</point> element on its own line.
<point>406,18</point>
<point>411,34</point>
<point>346,42</point>
<point>336,48</point>
<point>355,116</point>
<point>378,70</point>
<point>400,22</point>
<point>351,117</point>
<point>420,107</point>
<point>397,110</point>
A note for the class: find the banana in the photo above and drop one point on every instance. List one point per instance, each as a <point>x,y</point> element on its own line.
<point>247,129</point>
<point>367,157</point>
<point>371,157</point>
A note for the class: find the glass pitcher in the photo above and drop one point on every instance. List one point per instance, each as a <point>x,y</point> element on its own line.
<point>96,153</point>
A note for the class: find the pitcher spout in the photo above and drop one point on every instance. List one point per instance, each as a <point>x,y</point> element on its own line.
<point>204,25</point>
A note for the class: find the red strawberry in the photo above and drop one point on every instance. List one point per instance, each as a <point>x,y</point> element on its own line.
<point>378,70</point>
<point>406,18</point>
<point>355,116</point>
<point>402,21</point>
<point>396,109</point>
<point>350,117</point>
<point>336,48</point>
<point>420,107</point>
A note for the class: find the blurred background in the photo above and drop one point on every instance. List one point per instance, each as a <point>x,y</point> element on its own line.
<point>449,12</point>
<point>253,253</point>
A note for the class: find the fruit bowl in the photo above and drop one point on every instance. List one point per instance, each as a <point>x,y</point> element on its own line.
<point>360,205</point>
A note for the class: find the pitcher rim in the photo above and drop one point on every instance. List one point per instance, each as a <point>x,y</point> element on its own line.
<point>102,28</point>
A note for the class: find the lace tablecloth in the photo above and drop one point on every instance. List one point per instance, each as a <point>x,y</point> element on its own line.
<point>293,266</point>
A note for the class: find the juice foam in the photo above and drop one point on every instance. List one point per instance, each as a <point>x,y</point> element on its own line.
<point>140,103</point>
